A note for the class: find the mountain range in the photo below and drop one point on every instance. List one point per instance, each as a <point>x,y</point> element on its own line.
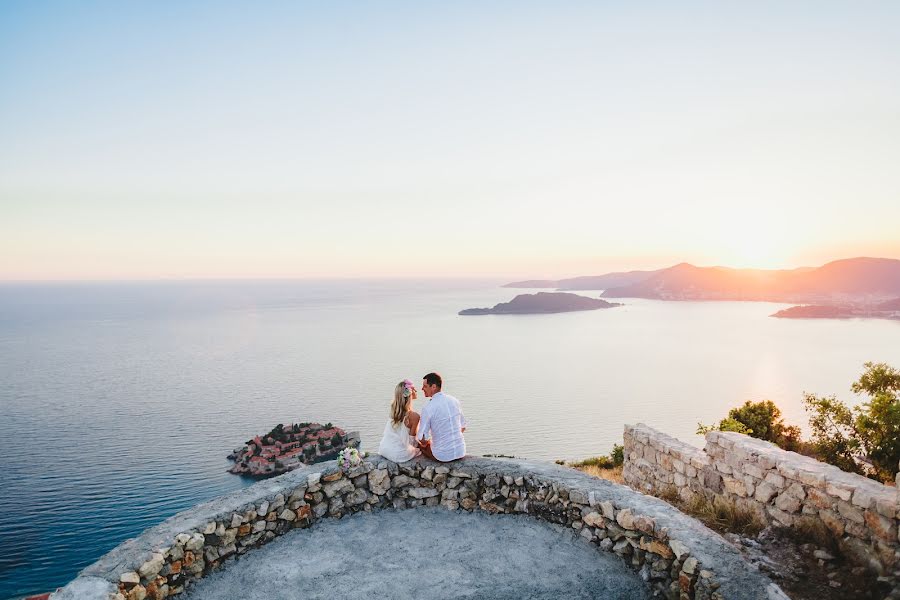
<point>854,280</point>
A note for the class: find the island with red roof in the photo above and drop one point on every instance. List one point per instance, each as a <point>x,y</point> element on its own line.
<point>290,446</point>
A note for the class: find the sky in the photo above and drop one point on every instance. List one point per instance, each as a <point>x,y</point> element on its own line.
<point>148,140</point>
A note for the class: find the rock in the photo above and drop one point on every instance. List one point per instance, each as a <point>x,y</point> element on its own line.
<point>355,497</point>
<point>402,481</point>
<point>379,482</point>
<point>138,592</point>
<point>287,515</point>
<point>130,578</point>
<point>236,520</point>
<point>690,566</point>
<point>842,491</point>
<point>678,549</point>
<point>787,502</point>
<point>765,492</point>
<point>625,518</point>
<point>334,488</point>
<point>880,526</point>
<point>153,566</point>
<point>594,519</point>
<point>608,511</point>
<point>645,524</point>
<point>331,477</point>
<point>577,496</point>
<point>656,547</point>
<point>822,555</point>
<point>335,506</point>
<point>851,512</point>
<point>423,492</point>
<point>195,543</point>
<point>623,548</point>
<point>832,521</point>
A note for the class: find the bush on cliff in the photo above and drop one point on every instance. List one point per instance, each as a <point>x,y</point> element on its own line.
<point>864,439</point>
<point>761,420</point>
<point>614,459</point>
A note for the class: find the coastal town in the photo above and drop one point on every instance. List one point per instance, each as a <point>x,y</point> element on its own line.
<point>290,446</point>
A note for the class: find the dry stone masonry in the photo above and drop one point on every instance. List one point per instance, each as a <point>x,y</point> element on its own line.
<point>676,555</point>
<point>783,488</point>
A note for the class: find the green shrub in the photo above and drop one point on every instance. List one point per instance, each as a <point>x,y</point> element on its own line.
<point>761,420</point>
<point>615,459</point>
<point>866,438</point>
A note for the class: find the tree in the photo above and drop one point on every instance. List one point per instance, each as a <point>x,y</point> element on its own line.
<point>336,440</point>
<point>761,420</point>
<point>865,438</point>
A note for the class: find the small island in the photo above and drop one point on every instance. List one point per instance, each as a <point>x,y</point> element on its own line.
<point>290,446</point>
<point>887,310</point>
<point>542,303</point>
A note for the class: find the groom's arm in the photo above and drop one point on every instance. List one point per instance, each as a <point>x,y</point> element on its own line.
<point>424,425</point>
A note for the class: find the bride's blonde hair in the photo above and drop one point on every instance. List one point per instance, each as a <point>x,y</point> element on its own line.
<point>400,405</point>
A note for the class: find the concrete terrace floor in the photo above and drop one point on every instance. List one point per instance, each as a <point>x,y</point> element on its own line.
<point>424,553</point>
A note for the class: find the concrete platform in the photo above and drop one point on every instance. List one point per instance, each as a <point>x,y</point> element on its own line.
<point>425,553</point>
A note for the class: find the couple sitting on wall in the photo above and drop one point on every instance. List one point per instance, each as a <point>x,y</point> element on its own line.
<point>436,434</point>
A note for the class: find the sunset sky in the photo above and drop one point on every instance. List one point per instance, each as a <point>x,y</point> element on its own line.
<point>214,139</point>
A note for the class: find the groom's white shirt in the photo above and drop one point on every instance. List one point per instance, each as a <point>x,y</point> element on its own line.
<point>442,417</point>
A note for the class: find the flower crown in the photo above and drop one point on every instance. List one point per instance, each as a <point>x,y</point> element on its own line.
<point>407,387</point>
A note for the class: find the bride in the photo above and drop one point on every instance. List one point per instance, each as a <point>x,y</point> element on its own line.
<point>398,442</point>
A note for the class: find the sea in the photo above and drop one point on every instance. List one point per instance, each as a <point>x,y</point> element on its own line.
<point>120,401</point>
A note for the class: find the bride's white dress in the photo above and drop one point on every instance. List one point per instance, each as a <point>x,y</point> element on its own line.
<point>396,443</point>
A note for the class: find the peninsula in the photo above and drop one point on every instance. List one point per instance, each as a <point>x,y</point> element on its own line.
<point>886,310</point>
<point>859,282</point>
<point>290,446</point>
<point>542,303</point>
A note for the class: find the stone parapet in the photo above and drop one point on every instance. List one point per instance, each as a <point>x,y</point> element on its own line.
<point>678,556</point>
<point>783,488</point>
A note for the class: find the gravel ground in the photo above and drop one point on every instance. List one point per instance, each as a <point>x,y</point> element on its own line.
<point>424,553</point>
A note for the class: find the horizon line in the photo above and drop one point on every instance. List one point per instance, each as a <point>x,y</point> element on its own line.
<point>510,279</point>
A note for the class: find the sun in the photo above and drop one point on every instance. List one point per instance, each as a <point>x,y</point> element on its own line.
<point>756,245</point>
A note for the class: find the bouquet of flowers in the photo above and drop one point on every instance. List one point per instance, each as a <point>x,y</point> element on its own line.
<point>349,458</point>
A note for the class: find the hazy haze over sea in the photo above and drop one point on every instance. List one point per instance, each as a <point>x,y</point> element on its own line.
<point>120,400</point>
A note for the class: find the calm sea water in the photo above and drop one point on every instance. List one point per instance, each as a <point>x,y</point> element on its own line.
<point>120,401</point>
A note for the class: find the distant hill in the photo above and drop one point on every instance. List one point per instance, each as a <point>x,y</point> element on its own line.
<point>816,312</point>
<point>587,282</point>
<point>891,305</point>
<point>853,280</point>
<point>542,303</point>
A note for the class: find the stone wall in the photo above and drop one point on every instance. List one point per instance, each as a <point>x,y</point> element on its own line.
<point>675,554</point>
<point>782,487</point>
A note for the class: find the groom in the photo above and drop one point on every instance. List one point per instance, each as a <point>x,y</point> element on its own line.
<point>442,417</point>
